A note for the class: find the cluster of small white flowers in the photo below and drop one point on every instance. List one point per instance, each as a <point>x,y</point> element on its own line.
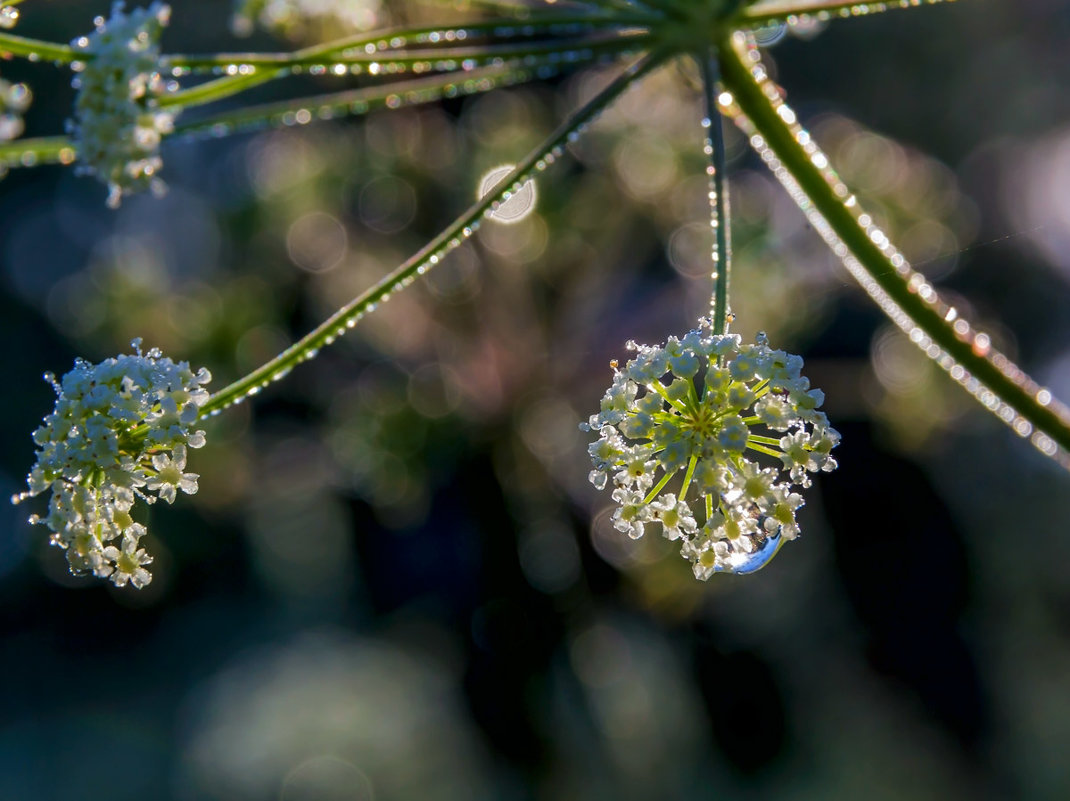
<point>701,407</point>
<point>118,123</point>
<point>15,98</point>
<point>119,431</point>
<point>284,15</point>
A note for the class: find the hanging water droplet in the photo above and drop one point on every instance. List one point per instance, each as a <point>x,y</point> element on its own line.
<point>741,563</point>
<point>769,35</point>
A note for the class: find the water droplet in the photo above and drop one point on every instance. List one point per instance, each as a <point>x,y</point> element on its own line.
<point>769,35</point>
<point>515,205</point>
<point>743,563</point>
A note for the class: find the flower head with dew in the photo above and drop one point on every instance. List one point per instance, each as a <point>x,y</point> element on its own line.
<point>733,429</point>
<point>119,432</point>
<point>118,123</point>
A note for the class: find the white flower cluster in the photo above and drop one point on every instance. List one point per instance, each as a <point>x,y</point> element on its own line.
<point>118,123</point>
<point>119,431</point>
<point>287,15</point>
<point>699,408</point>
<point>15,98</point>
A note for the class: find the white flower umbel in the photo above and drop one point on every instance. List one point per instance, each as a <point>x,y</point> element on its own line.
<point>118,123</point>
<point>732,428</point>
<point>119,432</point>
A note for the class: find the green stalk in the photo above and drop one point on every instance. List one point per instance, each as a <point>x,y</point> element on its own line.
<point>665,479</point>
<point>455,60</point>
<point>903,294</point>
<point>719,219</point>
<point>771,11</point>
<point>35,49</point>
<point>687,477</point>
<point>433,252</point>
<point>37,150</point>
<point>382,40</point>
<point>396,58</point>
<point>360,101</point>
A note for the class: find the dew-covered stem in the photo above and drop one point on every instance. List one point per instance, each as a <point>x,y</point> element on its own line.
<point>394,95</point>
<point>434,251</point>
<point>771,11</point>
<point>570,54</point>
<point>257,71</point>
<point>427,43</point>
<point>35,49</point>
<point>37,150</point>
<point>716,169</point>
<point>757,105</point>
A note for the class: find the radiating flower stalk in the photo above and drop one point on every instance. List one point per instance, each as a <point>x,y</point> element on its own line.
<point>698,413</point>
<point>704,435</point>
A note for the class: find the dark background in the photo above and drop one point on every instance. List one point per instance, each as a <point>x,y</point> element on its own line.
<point>395,581</point>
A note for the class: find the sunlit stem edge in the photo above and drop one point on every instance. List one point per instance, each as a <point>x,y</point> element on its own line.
<point>36,49</point>
<point>404,58</point>
<point>26,47</point>
<point>37,150</point>
<point>228,86</point>
<point>354,102</point>
<point>765,13</point>
<point>719,186</point>
<point>455,233</point>
<point>380,40</point>
<point>780,137</point>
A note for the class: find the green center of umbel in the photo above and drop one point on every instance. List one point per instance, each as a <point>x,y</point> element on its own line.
<point>696,24</point>
<point>701,418</point>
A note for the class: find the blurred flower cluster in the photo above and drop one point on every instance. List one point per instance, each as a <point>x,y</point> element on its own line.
<point>118,432</point>
<point>299,17</point>
<point>117,121</point>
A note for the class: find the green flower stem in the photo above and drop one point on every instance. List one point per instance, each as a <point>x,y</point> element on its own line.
<point>763,440</point>
<point>687,477</point>
<point>359,101</point>
<point>440,58</point>
<point>433,252</point>
<point>762,448</point>
<point>376,47</point>
<point>657,488</point>
<point>762,13</point>
<point>660,388</point>
<point>884,270</point>
<point>219,88</point>
<point>35,49</point>
<point>719,220</point>
<point>39,150</point>
<point>557,54</point>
